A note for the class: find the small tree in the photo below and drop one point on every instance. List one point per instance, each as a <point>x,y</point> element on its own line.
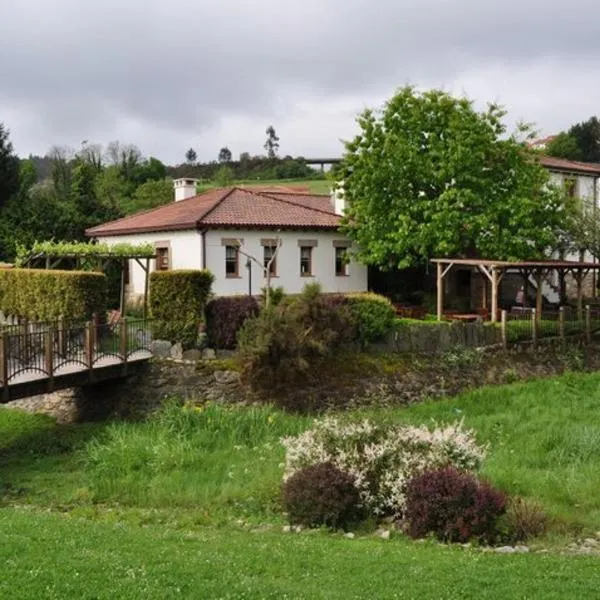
<point>191,157</point>
<point>264,266</point>
<point>224,155</point>
<point>272,143</point>
<point>224,176</point>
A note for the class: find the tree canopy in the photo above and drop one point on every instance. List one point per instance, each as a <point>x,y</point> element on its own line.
<point>580,142</point>
<point>9,168</point>
<point>429,175</point>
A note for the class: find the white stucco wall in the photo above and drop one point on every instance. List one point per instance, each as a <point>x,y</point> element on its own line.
<point>288,263</point>
<point>186,253</point>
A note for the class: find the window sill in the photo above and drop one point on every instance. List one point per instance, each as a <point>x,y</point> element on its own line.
<point>342,275</point>
<point>306,275</point>
<point>233,277</point>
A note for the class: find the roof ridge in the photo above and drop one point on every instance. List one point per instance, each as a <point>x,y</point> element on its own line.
<point>318,210</point>
<point>217,203</point>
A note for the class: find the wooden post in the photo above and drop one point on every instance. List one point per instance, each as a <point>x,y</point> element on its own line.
<point>525,286</point>
<point>440,292</point>
<point>494,295</point>
<point>146,276</point>
<point>484,295</point>
<point>503,329</point>
<point>122,295</point>
<point>588,324</point>
<point>89,345</point>
<point>534,327</point>
<point>49,357</point>
<point>579,278</point>
<point>561,322</point>
<point>62,346</point>
<point>538,294</point>
<point>123,343</point>
<point>4,366</point>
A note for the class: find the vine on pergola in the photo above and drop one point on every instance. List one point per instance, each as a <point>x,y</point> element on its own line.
<point>89,255</point>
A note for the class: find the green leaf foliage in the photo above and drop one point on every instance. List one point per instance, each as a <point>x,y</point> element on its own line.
<point>373,316</point>
<point>430,176</point>
<point>82,250</point>
<point>44,295</point>
<point>177,301</point>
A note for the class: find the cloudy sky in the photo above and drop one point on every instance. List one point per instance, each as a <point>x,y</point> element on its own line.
<point>170,74</point>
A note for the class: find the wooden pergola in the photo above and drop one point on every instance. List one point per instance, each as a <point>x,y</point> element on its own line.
<point>494,271</point>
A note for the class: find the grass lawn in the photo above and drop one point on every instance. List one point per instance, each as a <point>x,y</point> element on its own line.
<point>316,186</point>
<point>186,505</point>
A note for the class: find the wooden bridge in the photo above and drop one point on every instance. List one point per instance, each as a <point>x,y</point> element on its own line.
<point>38,358</point>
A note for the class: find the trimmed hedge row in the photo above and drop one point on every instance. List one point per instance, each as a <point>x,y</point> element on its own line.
<point>44,295</point>
<point>177,301</point>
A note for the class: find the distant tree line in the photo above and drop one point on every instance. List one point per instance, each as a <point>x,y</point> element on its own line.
<point>580,142</point>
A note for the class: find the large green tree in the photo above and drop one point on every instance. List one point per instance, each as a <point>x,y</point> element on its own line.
<point>429,176</point>
<point>9,167</point>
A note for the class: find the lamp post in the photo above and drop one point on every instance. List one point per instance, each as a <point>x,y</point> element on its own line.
<point>249,267</point>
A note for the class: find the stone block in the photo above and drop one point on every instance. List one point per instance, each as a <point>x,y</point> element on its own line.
<point>194,355</point>
<point>227,377</point>
<point>161,348</point>
<point>177,351</point>
<point>209,354</point>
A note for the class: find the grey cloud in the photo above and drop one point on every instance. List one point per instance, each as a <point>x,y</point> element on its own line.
<point>168,71</point>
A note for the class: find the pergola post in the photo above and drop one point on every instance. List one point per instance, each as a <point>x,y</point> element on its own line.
<point>146,275</point>
<point>440,291</point>
<point>484,295</point>
<point>538,293</point>
<point>579,280</point>
<point>122,292</point>
<point>495,283</point>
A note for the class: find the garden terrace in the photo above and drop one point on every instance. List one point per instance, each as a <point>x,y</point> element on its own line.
<point>495,270</point>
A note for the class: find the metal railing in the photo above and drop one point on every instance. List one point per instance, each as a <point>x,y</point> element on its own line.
<point>35,350</point>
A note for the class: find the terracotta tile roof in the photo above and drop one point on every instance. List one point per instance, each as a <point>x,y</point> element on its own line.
<point>562,164</point>
<point>229,207</point>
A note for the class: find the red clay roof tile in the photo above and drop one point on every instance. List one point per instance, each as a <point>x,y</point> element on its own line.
<point>229,207</point>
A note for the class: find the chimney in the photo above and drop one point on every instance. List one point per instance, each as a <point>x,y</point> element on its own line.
<point>185,188</point>
<point>338,199</point>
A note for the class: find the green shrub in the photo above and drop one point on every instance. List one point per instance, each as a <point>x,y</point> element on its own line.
<point>454,506</point>
<point>276,295</point>
<point>43,295</point>
<point>225,317</point>
<point>524,519</point>
<point>322,495</point>
<point>373,316</point>
<point>282,345</point>
<point>177,301</point>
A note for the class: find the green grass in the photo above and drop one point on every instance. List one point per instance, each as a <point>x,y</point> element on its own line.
<point>54,556</point>
<point>189,500</point>
<point>316,186</point>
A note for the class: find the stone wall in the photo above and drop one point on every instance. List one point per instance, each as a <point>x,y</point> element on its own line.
<point>142,392</point>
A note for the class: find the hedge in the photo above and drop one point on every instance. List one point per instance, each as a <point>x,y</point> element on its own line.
<point>177,301</point>
<point>224,318</point>
<point>45,295</point>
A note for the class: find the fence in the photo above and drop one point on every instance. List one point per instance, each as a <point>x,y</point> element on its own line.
<point>44,350</point>
<point>527,326</point>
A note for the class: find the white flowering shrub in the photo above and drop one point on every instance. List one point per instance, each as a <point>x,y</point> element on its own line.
<point>382,459</point>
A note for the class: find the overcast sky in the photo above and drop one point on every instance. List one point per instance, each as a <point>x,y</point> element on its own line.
<point>170,74</point>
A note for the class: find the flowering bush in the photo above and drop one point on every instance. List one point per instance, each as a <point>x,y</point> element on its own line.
<point>382,459</point>
<point>454,506</point>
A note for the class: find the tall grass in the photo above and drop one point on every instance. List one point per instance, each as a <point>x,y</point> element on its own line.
<point>210,458</point>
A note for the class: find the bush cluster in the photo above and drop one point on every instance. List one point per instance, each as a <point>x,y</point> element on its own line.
<point>322,494</point>
<point>177,301</point>
<point>454,506</point>
<point>284,343</point>
<point>373,317</point>
<point>224,318</point>
<point>45,295</point>
<point>382,459</point>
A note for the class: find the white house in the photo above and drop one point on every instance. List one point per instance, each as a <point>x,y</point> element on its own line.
<point>221,229</point>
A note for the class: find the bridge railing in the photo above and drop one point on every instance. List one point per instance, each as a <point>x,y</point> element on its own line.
<point>33,350</point>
